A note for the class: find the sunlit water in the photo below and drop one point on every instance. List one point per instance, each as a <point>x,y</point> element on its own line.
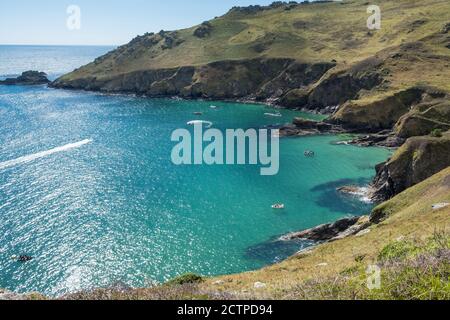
<point>115,209</point>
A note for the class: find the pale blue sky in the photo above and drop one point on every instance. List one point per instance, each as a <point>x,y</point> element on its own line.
<point>103,22</point>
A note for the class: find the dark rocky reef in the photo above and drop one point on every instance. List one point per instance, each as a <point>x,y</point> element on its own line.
<point>27,78</point>
<point>302,127</point>
<point>332,231</point>
<point>417,160</point>
<point>385,138</point>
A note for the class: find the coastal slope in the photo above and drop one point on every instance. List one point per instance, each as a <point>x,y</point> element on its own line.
<point>317,55</point>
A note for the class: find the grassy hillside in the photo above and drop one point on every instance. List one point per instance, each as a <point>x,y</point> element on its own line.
<point>312,32</point>
<point>411,49</point>
<point>313,55</point>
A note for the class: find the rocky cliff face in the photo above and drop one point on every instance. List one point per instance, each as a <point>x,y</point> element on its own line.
<point>378,115</point>
<point>425,117</point>
<point>418,159</point>
<point>257,79</point>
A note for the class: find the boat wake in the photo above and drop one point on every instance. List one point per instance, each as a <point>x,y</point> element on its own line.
<point>35,156</point>
<point>208,124</point>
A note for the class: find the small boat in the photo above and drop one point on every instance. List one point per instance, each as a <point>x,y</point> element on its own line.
<point>278,206</point>
<point>201,122</point>
<point>273,114</point>
<point>213,107</point>
<point>310,154</point>
<point>198,113</point>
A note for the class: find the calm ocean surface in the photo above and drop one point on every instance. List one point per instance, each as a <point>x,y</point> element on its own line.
<point>116,210</point>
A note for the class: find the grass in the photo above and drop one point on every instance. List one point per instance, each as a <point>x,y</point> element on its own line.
<point>315,32</point>
<point>437,133</point>
<point>188,278</point>
<point>409,270</point>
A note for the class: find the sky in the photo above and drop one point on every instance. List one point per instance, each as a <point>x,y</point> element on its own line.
<point>102,22</point>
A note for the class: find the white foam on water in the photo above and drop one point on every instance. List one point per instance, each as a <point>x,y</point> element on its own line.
<point>35,156</point>
<point>273,114</point>
<point>363,194</point>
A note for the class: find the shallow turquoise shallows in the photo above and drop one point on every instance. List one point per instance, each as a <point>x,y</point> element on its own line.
<point>117,210</point>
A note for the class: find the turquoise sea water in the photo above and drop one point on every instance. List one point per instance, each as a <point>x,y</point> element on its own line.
<point>118,210</point>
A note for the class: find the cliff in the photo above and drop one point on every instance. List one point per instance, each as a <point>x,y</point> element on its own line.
<point>418,159</point>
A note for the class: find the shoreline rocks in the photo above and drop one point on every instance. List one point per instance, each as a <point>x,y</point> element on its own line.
<point>302,127</point>
<point>27,78</point>
<point>328,232</point>
<point>384,138</point>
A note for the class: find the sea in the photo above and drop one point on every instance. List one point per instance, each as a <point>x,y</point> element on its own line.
<point>89,191</point>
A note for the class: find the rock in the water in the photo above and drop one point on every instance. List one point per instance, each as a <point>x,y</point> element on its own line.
<point>302,127</point>
<point>384,138</point>
<point>28,78</point>
<point>311,124</point>
<point>350,189</point>
<point>24,258</point>
<point>324,232</point>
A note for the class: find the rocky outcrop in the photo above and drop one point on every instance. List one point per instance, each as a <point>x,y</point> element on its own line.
<point>424,118</point>
<point>446,28</point>
<point>27,78</point>
<point>385,138</point>
<point>337,87</point>
<point>418,159</point>
<point>258,8</point>
<point>204,30</point>
<point>255,79</point>
<point>302,127</point>
<point>378,115</point>
<point>325,232</point>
